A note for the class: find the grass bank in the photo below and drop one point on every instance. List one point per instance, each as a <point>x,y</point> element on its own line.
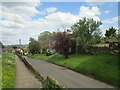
<point>101,67</point>
<point>8,70</point>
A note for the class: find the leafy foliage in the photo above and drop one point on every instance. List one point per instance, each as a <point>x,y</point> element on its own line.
<point>34,46</point>
<point>111,35</point>
<point>84,31</point>
<point>62,43</point>
<point>44,35</point>
<point>72,46</point>
<point>110,32</point>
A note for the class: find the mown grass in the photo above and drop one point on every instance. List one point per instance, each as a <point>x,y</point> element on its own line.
<point>8,70</point>
<point>101,67</point>
<point>39,56</point>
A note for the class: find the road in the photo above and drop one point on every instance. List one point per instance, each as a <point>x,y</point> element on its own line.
<point>64,76</point>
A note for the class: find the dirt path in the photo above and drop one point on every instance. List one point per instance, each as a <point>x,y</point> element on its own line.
<point>24,77</point>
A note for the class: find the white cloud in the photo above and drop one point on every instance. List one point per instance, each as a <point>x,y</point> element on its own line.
<point>112,20</point>
<point>60,19</point>
<point>18,23</point>
<point>90,12</point>
<point>51,10</point>
<point>8,24</point>
<point>107,11</point>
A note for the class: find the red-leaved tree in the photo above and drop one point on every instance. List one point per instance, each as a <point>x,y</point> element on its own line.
<point>62,43</point>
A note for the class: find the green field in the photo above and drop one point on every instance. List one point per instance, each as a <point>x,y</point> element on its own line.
<point>8,70</point>
<point>101,67</point>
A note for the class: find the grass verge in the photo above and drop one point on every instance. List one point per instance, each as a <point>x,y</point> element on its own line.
<point>101,67</point>
<point>8,70</point>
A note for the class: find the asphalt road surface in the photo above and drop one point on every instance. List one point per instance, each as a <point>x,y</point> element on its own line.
<point>64,76</point>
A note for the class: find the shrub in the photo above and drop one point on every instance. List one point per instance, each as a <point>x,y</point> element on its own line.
<point>48,52</point>
<point>53,51</point>
<point>114,47</point>
<point>44,50</point>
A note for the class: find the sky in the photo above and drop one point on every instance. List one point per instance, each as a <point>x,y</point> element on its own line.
<point>25,19</point>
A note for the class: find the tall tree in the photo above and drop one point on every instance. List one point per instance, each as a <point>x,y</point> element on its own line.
<point>62,43</point>
<point>33,46</point>
<point>97,37</point>
<point>110,32</point>
<point>44,35</point>
<point>84,31</point>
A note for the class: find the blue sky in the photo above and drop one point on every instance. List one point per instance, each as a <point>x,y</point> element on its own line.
<point>27,19</point>
<point>73,7</point>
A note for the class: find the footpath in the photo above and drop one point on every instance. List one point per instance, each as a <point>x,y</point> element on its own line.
<point>24,77</point>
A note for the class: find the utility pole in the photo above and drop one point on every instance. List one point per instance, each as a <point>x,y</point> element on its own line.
<point>19,41</point>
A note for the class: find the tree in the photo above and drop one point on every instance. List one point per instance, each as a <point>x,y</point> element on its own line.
<point>46,41</point>
<point>97,37</point>
<point>72,46</point>
<point>62,43</point>
<point>33,46</point>
<point>44,35</point>
<point>84,31</point>
<point>111,35</point>
<point>110,32</point>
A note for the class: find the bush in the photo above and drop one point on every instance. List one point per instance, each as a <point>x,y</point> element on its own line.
<point>53,51</point>
<point>114,48</point>
<point>56,57</point>
<point>44,50</point>
<point>48,52</point>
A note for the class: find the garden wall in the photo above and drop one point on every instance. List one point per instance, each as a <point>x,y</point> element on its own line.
<point>98,50</point>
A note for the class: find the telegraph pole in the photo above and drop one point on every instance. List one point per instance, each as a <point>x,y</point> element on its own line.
<point>19,41</point>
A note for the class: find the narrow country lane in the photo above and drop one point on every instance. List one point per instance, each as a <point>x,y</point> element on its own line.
<point>66,77</point>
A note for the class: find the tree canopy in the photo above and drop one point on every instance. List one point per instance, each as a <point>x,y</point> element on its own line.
<point>33,46</point>
<point>84,31</point>
<point>62,43</point>
<point>110,32</point>
<point>44,35</point>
